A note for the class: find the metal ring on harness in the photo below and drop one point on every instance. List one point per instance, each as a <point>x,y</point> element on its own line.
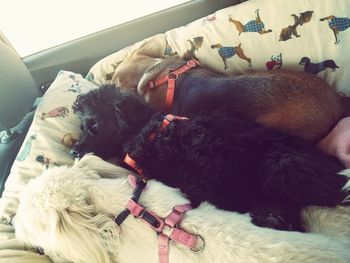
<point>198,250</point>
<point>173,76</point>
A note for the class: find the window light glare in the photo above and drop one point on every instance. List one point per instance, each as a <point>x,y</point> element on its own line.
<point>35,25</point>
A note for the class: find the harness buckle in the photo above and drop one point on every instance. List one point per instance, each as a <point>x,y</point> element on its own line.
<point>149,218</point>
<point>142,182</point>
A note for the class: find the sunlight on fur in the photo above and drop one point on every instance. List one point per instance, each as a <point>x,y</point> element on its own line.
<point>69,211</point>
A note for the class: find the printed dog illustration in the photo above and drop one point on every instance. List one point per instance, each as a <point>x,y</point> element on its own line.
<point>195,44</point>
<point>208,19</point>
<point>276,60</point>
<point>252,26</point>
<point>315,68</point>
<point>287,32</point>
<point>337,24</point>
<point>229,52</point>
<point>57,112</point>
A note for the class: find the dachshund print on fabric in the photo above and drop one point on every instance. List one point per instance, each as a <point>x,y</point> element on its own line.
<point>315,68</point>
<point>276,60</point>
<point>252,26</point>
<point>195,44</point>
<point>337,24</point>
<point>228,52</point>
<point>57,112</point>
<point>287,32</point>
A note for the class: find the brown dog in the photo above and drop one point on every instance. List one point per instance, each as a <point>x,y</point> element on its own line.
<point>298,103</point>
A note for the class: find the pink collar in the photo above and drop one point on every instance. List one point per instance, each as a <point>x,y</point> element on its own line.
<point>171,79</point>
<point>166,228</point>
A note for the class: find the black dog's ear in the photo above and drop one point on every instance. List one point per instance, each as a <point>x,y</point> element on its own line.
<point>120,115</point>
<point>93,99</point>
<point>78,104</point>
<point>131,111</point>
<point>84,100</point>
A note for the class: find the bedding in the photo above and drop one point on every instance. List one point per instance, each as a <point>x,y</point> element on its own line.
<point>47,143</point>
<point>255,35</point>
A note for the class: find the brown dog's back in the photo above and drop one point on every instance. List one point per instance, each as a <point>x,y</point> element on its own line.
<point>295,102</point>
<point>298,103</point>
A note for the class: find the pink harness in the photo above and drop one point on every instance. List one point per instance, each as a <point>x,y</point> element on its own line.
<point>166,228</point>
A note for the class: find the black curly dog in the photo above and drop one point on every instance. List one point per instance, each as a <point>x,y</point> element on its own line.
<point>235,164</point>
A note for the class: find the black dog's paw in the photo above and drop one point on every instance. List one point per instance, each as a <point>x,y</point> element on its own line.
<point>345,197</point>
<point>270,220</point>
<point>276,217</point>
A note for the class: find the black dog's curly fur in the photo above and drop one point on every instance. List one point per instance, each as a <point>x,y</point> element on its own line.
<point>235,164</point>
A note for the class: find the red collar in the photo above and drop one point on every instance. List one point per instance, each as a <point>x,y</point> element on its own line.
<point>166,121</point>
<point>171,79</point>
<point>131,162</point>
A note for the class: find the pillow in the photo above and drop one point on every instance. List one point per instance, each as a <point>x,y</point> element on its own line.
<point>47,143</point>
<point>260,35</point>
<point>52,132</point>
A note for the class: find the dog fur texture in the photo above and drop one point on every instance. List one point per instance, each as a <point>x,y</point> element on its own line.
<point>235,164</point>
<point>291,101</point>
<point>69,211</point>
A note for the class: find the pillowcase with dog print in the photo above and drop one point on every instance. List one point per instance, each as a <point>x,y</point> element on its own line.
<point>54,129</point>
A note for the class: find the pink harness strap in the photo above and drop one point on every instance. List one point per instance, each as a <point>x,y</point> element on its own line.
<point>166,228</point>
